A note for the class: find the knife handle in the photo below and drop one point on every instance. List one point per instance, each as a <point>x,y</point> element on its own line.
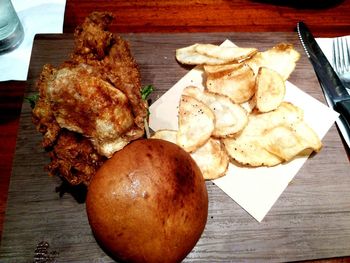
<point>343,107</point>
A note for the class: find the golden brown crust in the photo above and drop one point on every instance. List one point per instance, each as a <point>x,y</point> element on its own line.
<point>107,61</point>
<point>111,57</point>
<point>148,203</point>
<point>42,115</point>
<point>74,158</point>
<point>92,40</point>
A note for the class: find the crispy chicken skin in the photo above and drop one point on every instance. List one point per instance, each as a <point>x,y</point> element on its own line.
<point>90,106</point>
<point>74,158</point>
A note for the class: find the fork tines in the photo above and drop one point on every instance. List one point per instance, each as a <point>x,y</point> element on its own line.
<point>341,54</point>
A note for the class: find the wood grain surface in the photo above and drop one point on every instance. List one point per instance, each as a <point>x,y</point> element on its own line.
<point>311,219</point>
<point>325,17</point>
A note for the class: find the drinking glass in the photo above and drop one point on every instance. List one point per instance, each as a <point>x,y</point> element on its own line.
<point>11,30</point>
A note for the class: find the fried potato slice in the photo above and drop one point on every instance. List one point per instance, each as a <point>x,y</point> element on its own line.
<point>230,118</point>
<point>220,69</point>
<point>248,151</point>
<point>273,137</point>
<point>282,58</point>
<point>212,159</point>
<point>189,56</point>
<point>227,54</point>
<point>286,113</point>
<point>196,123</point>
<point>167,135</point>
<point>289,141</point>
<point>209,54</point>
<point>249,106</point>
<point>270,90</point>
<point>238,84</point>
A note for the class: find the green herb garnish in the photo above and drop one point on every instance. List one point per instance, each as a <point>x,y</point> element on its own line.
<point>32,100</point>
<point>146,91</point>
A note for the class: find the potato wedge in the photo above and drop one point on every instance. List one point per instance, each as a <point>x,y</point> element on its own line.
<point>270,90</point>
<point>282,58</point>
<point>196,123</point>
<point>238,85</point>
<point>230,118</point>
<point>212,159</point>
<point>227,54</point>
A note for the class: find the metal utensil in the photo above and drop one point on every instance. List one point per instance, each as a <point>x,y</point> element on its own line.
<point>341,59</point>
<point>332,87</point>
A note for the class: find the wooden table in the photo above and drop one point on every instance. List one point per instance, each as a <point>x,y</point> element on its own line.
<point>174,17</point>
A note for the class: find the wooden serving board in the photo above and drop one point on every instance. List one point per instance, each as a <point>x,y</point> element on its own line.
<point>310,220</point>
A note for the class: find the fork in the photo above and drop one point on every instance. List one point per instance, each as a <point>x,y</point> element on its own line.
<point>341,60</point>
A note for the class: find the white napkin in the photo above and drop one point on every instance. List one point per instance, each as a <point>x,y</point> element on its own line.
<point>254,189</point>
<point>37,16</point>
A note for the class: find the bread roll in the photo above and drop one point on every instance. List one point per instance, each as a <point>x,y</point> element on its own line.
<point>148,203</point>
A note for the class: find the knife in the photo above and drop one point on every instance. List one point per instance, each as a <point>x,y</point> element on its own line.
<point>334,91</point>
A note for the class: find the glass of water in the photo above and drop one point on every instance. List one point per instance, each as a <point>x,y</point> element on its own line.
<point>11,30</point>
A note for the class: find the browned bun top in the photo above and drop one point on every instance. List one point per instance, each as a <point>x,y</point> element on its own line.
<point>148,203</point>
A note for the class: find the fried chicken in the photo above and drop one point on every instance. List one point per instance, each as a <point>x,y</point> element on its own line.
<point>90,106</point>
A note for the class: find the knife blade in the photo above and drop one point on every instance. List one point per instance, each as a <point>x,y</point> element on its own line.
<point>334,91</point>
